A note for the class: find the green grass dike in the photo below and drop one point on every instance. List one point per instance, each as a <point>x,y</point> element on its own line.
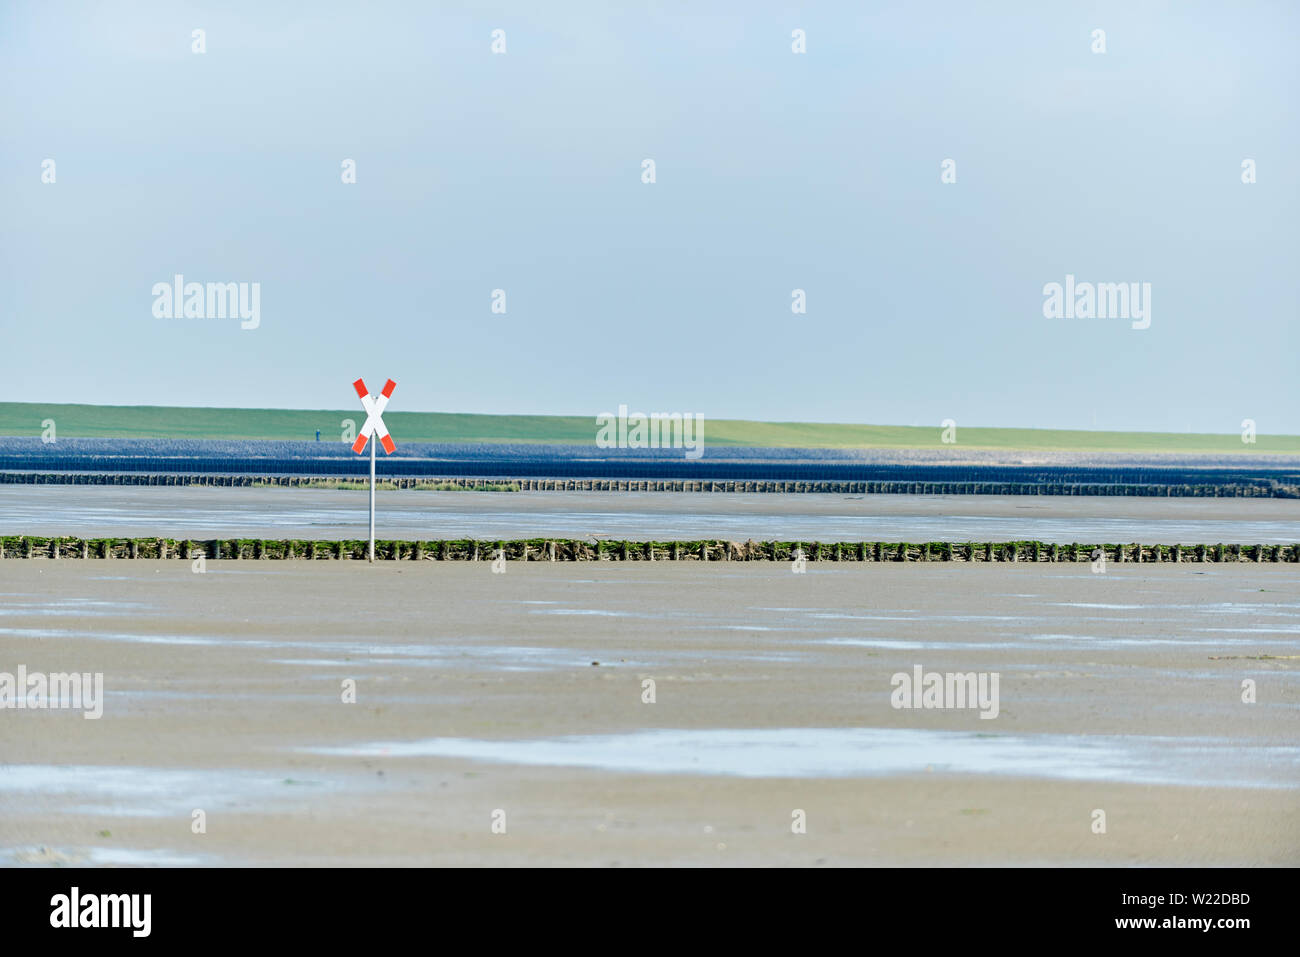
<point>170,422</point>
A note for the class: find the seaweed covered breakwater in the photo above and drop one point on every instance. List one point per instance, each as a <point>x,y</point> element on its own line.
<point>566,550</point>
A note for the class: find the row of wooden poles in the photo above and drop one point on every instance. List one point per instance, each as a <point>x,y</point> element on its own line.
<point>37,547</point>
<point>1242,490</point>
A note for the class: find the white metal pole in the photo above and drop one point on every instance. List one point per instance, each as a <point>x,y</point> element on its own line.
<point>374,440</point>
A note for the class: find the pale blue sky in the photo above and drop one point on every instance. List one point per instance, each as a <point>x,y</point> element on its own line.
<point>775,171</point>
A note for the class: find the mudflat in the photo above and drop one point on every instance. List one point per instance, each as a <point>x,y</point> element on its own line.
<point>179,512</point>
<point>508,719</point>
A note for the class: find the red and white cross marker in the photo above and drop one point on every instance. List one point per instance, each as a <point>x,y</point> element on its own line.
<point>374,406</point>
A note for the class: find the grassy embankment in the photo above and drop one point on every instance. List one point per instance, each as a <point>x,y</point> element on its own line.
<point>165,422</point>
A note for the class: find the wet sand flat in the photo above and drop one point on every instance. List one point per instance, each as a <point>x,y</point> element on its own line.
<point>177,512</point>
<point>476,693</point>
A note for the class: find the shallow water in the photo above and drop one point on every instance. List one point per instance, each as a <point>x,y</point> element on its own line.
<point>148,792</point>
<point>875,752</point>
<point>42,856</point>
<point>96,511</point>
